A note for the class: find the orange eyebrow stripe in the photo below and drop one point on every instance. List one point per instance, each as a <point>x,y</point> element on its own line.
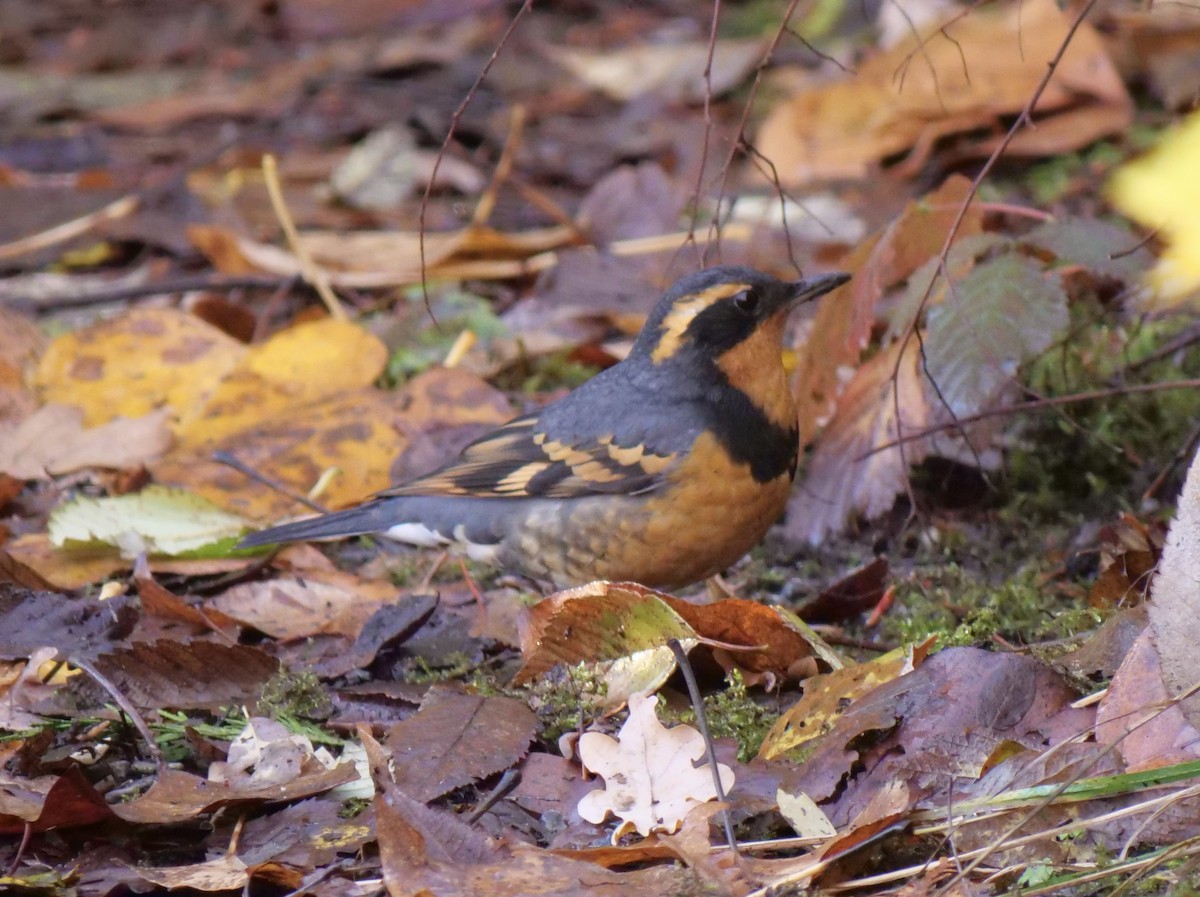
<point>683,312</point>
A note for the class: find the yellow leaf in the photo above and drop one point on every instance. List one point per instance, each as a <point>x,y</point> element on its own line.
<point>128,366</point>
<point>1162,191</point>
<point>303,364</point>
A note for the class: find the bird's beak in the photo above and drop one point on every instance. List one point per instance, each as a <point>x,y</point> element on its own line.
<point>812,287</point>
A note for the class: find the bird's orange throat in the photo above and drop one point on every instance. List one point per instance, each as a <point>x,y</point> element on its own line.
<point>755,367</point>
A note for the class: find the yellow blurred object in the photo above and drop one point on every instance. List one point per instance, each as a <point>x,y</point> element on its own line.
<point>1161,190</point>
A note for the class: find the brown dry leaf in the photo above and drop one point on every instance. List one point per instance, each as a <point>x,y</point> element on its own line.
<point>140,361</point>
<point>783,644</point>
<point>303,364</point>
<point>42,803</point>
<point>193,675</point>
<point>77,627</point>
<point>650,773</point>
<point>549,784</point>
<point>53,441</point>
<point>225,873</point>
<point>309,603</point>
<point>13,572</point>
<point>1138,716</point>
<point>1129,555</point>
<point>842,325</point>
<point>167,607</point>
<point>827,696</point>
<point>269,93</point>
<point>426,850</point>
<point>984,66</point>
<point>373,259</point>
<point>934,727</point>
<point>684,72</point>
<point>179,796</point>
<point>857,591</point>
<point>456,739</point>
<point>285,845</point>
<point>884,401</point>
<point>622,628</point>
<point>21,343</point>
<point>22,690</point>
<point>1162,45</point>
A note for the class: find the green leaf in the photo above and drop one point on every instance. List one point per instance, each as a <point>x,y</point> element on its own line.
<point>156,520</point>
<point>1005,312</point>
<point>1103,247</point>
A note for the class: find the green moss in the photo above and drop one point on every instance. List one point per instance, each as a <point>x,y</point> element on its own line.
<point>964,609</point>
<point>454,665</point>
<point>734,713</point>
<point>295,695</point>
<point>565,699</point>
<point>1098,456</point>
<point>543,373</point>
<point>429,338</point>
<point>1051,181</point>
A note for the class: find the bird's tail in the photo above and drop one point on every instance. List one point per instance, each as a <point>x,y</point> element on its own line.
<point>368,518</point>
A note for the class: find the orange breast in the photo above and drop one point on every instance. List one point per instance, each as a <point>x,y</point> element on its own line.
<point>712,514</point>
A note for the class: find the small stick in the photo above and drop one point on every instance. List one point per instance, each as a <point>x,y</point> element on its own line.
<point>124,703</point>
<point>505,785</point>
<point>261,478</point>
<point>313,273</point>
<point>689,677</point>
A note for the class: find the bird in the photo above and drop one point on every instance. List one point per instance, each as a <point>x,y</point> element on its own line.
<point>663,470</point>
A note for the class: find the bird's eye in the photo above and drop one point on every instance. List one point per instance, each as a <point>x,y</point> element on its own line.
<point>747,301</point>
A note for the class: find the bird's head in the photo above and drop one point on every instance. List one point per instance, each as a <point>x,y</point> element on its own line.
<point>725,313</point>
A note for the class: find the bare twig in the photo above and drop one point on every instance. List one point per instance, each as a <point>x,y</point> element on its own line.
<point>455,118</point>
<point>124,703</point>
<point>188,284</point>
<point>311,271</point>
<point>689,677</point>
<point>261,478</point>
<point>1034,405</point>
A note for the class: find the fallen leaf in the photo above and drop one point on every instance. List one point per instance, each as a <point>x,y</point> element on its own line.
<point>827,697</point>
<point>932,729</point>
<point>1137,716</point>
<point>309,603</point>
<point>1160,189</point>
<point>683,72</point>
<point>184,676</point>
<point>841,328</point>
<point>77,567</point>
<point>804,816</point>
<point>53,441</point>
<point>264,754</point>
<point>650,774</point>
<point>42,803</point>
<point>848,472</point>
<point>136,363</point>
<point>299,365</point>
<point>456,739</point>
<point>178,796</point>
<point>156,520</point>
<point>372,259</point>
<point>224,873</point>
<point>620,628</point>
<point>982,66</point>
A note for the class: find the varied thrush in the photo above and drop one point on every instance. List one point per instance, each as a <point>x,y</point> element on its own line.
<point>664,469</point>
